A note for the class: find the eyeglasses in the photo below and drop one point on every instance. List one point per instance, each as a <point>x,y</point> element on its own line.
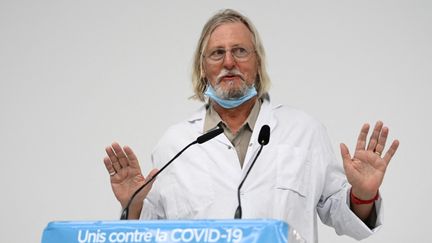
<point>239,53</point>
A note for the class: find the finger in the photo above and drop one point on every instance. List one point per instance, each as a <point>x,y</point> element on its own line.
<point>113,157</point>
<point>133,160</point>
<point>361,140</point>
<point>109,166</point>
<point>124,162</point>
<point>391,151</point>
<point>346,157</point>
<point>373,141</point>
<point>345,152</point>
<point>382,140</point>
<point>150,176</point>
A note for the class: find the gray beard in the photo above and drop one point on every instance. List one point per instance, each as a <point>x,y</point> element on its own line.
<point>231,93</point>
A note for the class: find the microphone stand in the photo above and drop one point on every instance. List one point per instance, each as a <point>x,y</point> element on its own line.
<point>238,212</point>
<point>263,139</point>
<point>201,139</point>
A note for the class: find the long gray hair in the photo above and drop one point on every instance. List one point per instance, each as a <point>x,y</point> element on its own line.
<point>199,82</point>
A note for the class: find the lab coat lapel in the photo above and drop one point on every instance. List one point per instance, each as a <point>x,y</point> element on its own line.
<point>265,117</point>
<point>197,121</point>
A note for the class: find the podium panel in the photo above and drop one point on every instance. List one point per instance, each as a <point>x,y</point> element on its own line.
<point>190,231</point>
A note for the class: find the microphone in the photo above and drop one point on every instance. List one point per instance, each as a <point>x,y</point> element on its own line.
<point>209,135</point>
<point>201,139</point>
<point>263,139</point>
<point>264,135</point>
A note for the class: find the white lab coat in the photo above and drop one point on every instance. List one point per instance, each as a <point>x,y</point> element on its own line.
<point>295,177</point>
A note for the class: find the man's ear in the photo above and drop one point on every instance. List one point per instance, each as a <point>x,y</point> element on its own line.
<point>202,72</point>
<point>258,79</point>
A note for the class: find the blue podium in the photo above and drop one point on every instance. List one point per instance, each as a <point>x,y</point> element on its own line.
<point>191,231</point>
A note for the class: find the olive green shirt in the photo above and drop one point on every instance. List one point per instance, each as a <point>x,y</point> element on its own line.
<point>241,140</point>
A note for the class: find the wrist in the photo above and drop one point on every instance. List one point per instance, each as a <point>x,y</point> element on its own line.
<point>363,194</point>
<point>363,200</point>
<point>135,210</point>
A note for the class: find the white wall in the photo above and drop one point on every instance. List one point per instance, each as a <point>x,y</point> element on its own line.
<point>77,75</point>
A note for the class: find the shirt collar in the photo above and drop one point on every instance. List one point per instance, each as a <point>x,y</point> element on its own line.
<point>212,118</point>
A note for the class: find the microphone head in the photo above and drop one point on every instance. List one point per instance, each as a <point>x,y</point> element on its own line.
<point>209,135</point>
<point>264,135</point>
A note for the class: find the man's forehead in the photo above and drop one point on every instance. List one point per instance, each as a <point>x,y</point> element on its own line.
<point>230,34</point>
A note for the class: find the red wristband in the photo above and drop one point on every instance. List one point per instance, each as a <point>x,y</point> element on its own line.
<point>357,200</point>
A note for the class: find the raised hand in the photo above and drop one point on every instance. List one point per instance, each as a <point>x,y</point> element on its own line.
<point>365,170</point>
<point>125,175</point>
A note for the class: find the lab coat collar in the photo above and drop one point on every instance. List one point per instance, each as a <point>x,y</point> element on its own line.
<point>265,117</point>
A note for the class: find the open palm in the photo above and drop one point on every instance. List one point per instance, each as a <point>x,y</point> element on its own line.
<point>365,170</point>
<point>126,176</point>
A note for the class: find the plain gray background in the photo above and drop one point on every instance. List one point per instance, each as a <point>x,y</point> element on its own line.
<point>77,75</point>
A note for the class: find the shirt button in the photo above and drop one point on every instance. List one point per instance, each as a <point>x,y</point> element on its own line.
<point>229,147</point>
<point>250,145</point>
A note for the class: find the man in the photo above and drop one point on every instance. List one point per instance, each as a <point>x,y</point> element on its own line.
<point>296,176</point>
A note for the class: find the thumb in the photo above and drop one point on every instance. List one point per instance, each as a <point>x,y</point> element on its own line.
<point>345,152</point>
<point>151,174</point>
<point>346,157</point>
<point>147,188</point>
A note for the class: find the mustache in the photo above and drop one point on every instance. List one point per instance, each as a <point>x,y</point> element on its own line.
<point>233,72</point>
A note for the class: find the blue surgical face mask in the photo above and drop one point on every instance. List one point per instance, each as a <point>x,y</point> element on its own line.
<point>230,103</point>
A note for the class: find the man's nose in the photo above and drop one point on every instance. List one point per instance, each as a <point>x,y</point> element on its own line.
<point>229,62</point>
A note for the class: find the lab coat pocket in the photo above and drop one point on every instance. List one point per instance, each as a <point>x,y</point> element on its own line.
<point>292,198</point>
<point>186,197</point>
<point>293,170</point>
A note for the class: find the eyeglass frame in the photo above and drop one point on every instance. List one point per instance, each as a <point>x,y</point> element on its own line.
<point>237,59</point>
